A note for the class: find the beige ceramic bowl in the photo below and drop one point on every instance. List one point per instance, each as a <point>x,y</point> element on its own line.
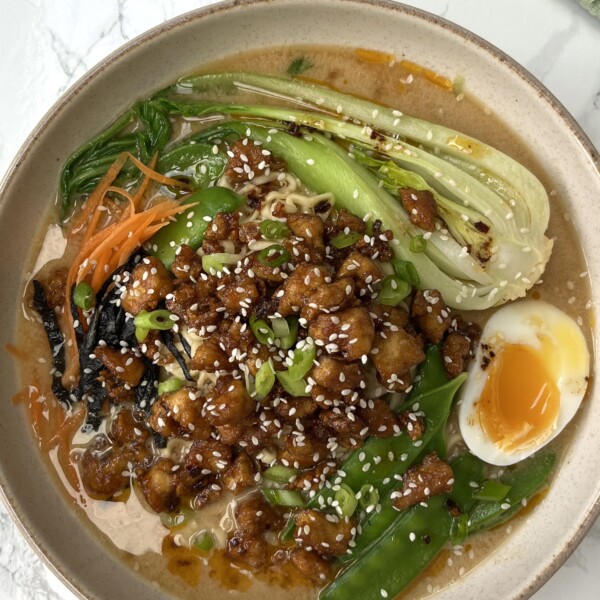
<point>150,62</point>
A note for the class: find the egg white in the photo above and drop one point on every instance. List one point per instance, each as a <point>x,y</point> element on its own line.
<point>540,326</point>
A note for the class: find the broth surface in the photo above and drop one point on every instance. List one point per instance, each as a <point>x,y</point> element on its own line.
<point>565,284</point>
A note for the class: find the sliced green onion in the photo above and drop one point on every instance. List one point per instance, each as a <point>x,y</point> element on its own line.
<point>274,256</point>
<point>406,271</point>
<point>176,519</point>
<point>141,334</point>
<point>295,388</point>
<point>213,263</point>
<point>393,291</point>
<point>169,385</point>
<point>302,362</point>
<point>343,240</point>
<point>157,319</point>
<point>346,500</point>
<point>265,379</point>
<point>146,321</point>
<point>368,496</point>
<point>280,327</point>
<point>283,497</point>
<point>262,332</point>
<point>287,533</point>
<point>274,230</point>
<point>287,341</point>
<point>492,490</point>
<point>418,244</point>
<point>280,473</point>
<point>83,295</point>
<point>459,529</point>
<point>204,540</point>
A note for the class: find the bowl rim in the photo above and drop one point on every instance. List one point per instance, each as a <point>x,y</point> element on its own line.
<point>223,6</point>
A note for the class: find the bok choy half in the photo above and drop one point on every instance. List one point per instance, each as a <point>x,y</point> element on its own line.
<point>489,246</point>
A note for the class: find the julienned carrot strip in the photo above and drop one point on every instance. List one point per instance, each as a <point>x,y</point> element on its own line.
<point>65,431</point>
<point>96,197</point>
<point>374,56</point>
<point>155,229</point>
<point>80,265</point>
<point>103,251</point>
<point>154,175</point>
<point>99,273</point>
<point>121,192</point>
<point>131,243</point>
<point>144,185</point>
<point>36,410</point>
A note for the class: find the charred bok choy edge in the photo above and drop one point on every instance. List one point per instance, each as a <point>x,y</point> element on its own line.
<point>495,210</point>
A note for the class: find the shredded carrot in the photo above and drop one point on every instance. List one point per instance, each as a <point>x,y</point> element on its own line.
<point>99,273</point>
<point>139,194</point>
<point>121,192</point>
<point>158,177</point>
<point>103,250</point>
<point>97,196</point>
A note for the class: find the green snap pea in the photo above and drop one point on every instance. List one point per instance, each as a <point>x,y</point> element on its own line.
<point>466,469</point>
<point>399,555</point>
<point>196,161</point>
<point>469,473</point>
<point>431,375</point>
<point>190,226</point>
<point>380,459</point>
<point>525,480</point>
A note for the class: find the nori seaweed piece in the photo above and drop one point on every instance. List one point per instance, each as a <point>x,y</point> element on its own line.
<point>56,341</point>
<point>147,391</point>
<point>109,324</point>
<point>168,340</point>
<point>186,345</point>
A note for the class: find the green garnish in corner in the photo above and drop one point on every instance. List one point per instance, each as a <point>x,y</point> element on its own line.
<point>299,65</point>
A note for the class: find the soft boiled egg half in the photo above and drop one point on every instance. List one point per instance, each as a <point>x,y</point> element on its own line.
<point>526,382</point>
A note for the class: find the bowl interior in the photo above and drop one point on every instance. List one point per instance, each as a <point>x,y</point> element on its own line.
<point>154,60</point>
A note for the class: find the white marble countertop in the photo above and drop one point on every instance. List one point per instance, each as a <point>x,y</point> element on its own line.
<point>46,45</point>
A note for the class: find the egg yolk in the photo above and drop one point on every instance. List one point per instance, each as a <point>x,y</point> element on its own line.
<point>520,402</point>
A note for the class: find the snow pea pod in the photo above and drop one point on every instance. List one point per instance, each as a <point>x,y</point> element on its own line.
<point>380,459</point>
<point>431,375</point>
<point>399,556</point>
<point>525,480</point>
<point>190,226</point>
<point>466,469</point>
<point>201,163</point>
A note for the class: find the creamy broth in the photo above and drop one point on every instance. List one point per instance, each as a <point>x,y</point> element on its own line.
<point>184,572</point>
